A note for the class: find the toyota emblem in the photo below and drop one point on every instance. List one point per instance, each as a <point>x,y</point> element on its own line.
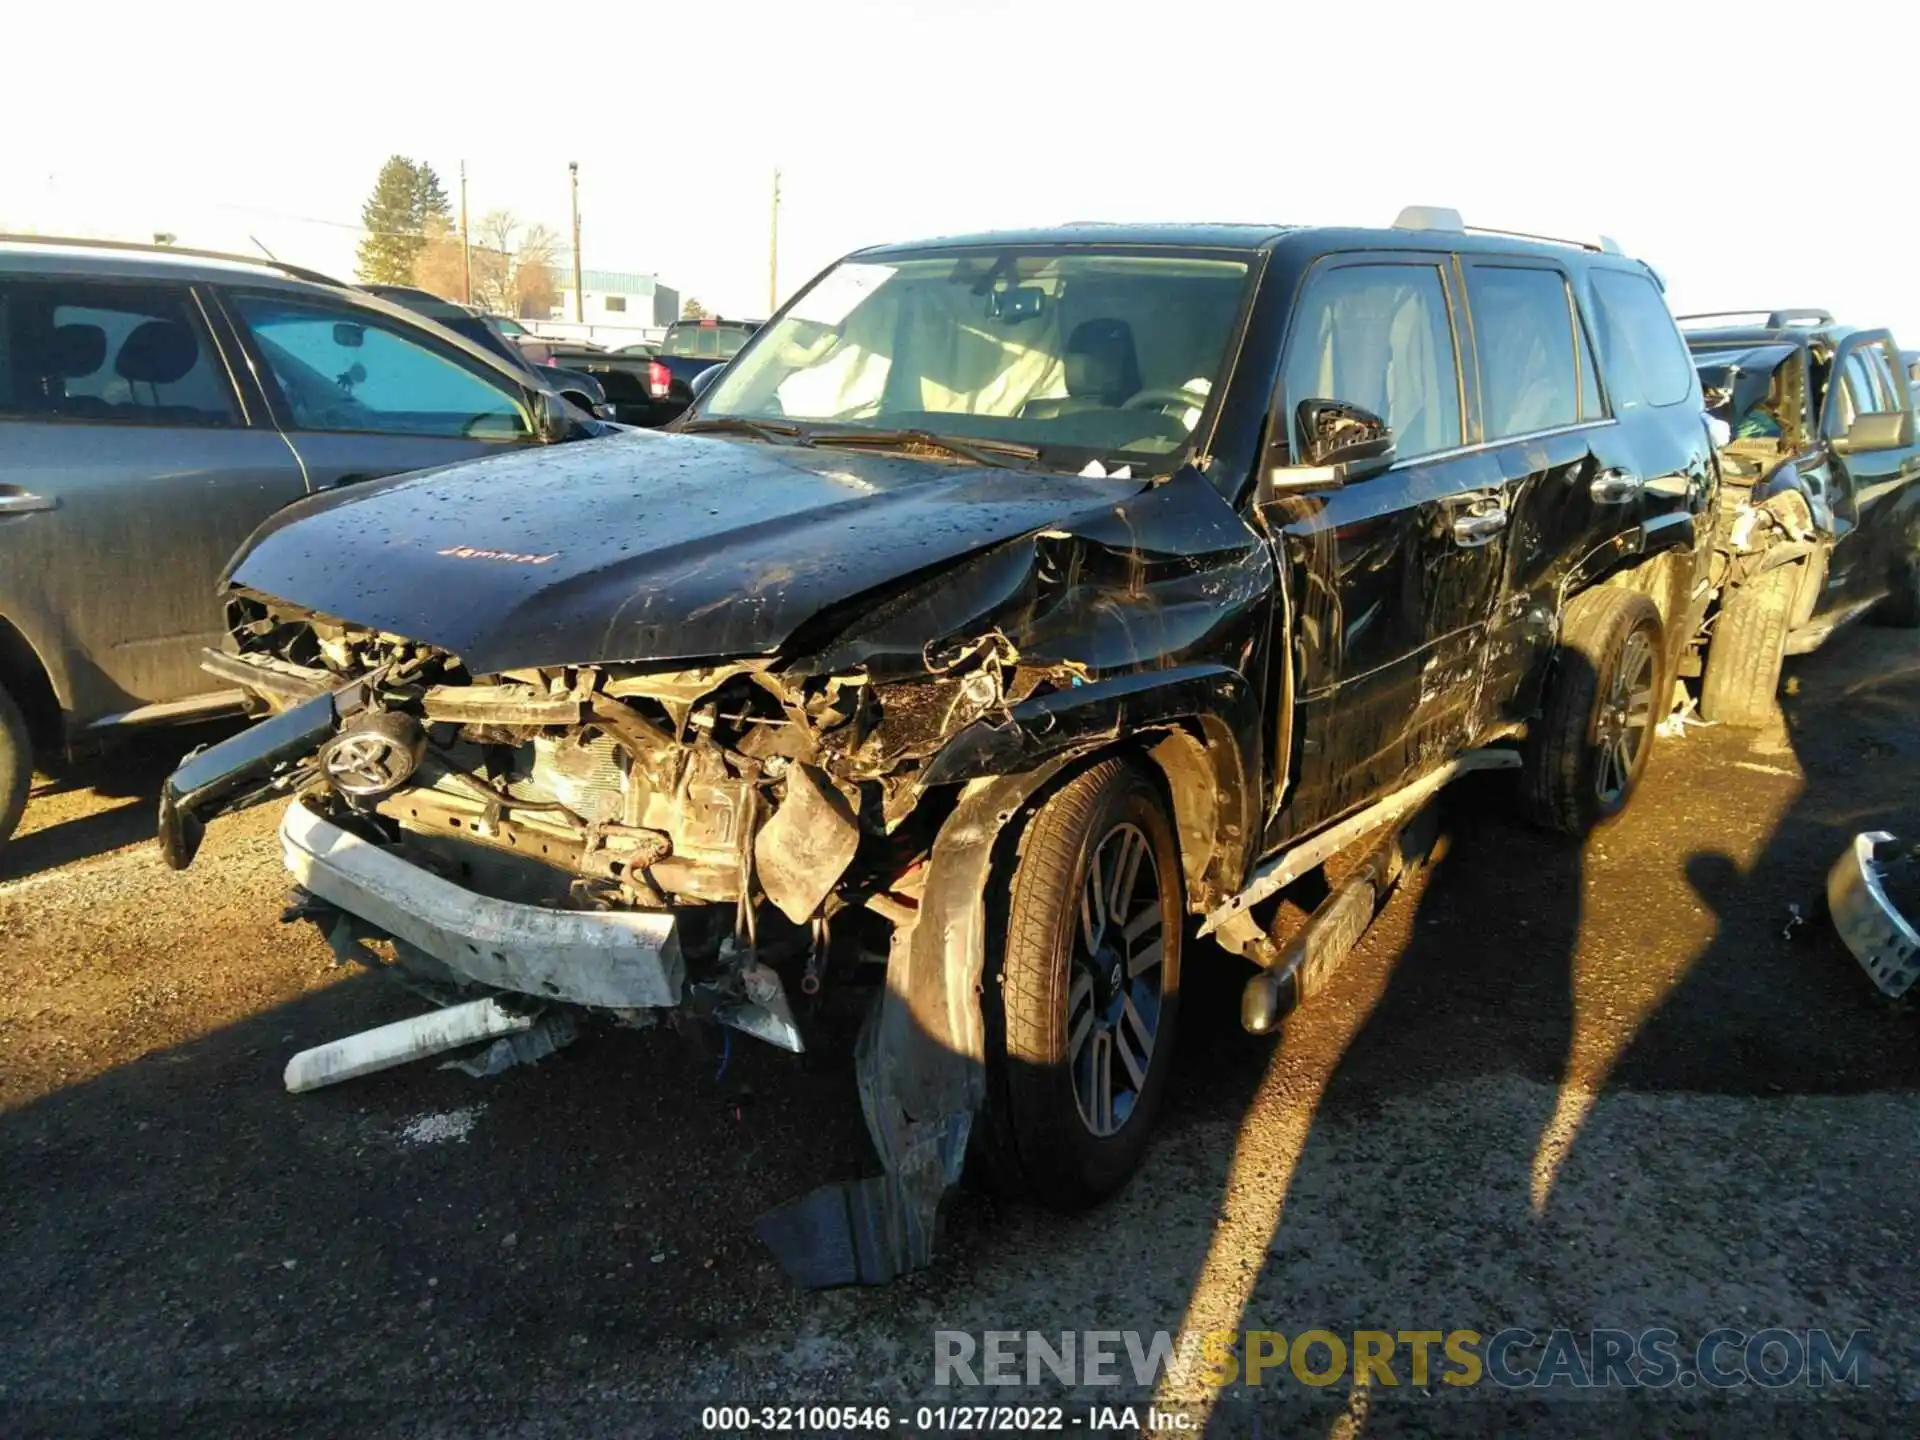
<point>374,757</point>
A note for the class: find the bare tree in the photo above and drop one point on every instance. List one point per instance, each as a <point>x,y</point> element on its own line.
<point>514,267</point>
<point>534,289</point>
<point>439,268</point>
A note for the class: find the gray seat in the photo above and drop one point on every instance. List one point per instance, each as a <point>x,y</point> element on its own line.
<point>73,352</point>
<point>1102,371</point>
<point>156,353</point>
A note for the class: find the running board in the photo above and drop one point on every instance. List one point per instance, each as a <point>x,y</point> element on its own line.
<point>1288,866</point>
<point>174,712</point>
<point>1336,926</point>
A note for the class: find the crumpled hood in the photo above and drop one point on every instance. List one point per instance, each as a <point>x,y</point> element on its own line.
<point>639,547</point>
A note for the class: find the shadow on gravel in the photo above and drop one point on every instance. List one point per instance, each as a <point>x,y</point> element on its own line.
<point>131,772</point>
<point>1504,977</point>
<point>1769,1007</point>
<point>182,1230</point>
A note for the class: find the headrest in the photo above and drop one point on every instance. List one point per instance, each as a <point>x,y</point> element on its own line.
<point>1101,362</point>
<point>76,350</point>
<point>158,352</point>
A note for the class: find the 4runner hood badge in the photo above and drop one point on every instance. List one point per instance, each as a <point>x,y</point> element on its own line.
<point>374,757</point>
<point>467,552</point>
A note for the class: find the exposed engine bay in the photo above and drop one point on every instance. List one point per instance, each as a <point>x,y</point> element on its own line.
<point>779,822</point>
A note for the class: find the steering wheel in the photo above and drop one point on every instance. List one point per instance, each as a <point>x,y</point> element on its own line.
<point>1171,402</point>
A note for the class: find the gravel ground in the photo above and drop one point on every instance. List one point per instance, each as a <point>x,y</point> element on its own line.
<point>1556,1086</point>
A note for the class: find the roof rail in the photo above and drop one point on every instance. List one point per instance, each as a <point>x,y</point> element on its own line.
<point>1439,217</point>
<point>1776,319</point>
<point>141,247</point>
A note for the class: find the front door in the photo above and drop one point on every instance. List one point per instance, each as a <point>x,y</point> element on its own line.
<point>1873,490</point>
<point>362,394</point>
<point>1390,580</point>
<point>130,471</point>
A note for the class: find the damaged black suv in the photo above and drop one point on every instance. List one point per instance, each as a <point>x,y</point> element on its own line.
<point>1819,516</point>
<point>1008,603</point>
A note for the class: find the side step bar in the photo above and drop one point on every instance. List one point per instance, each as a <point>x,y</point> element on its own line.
<point>1336,926</point>
<point>1289,865</point>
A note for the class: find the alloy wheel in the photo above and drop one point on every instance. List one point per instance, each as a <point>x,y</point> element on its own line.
<point>1117,989</point>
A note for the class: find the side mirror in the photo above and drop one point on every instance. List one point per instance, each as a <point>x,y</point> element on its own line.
<point>552,419</point>
<point>706,377</point>
<point>1338,443</point>
<point>1882,430</point>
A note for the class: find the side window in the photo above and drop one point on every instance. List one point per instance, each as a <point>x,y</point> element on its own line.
<point>1523,335</point>
<point>346,369</point>
<point>1379,336</point>
<point>1646,360</point>
<point>125,354</point>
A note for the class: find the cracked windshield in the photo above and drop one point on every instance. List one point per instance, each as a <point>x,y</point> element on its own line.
<point>1094,353</point>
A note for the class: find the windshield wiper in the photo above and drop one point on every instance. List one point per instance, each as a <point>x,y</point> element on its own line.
<point>774,432</point>
<point>980,452</point>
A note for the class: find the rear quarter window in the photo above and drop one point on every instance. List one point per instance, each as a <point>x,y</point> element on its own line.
<point>1641,352</point>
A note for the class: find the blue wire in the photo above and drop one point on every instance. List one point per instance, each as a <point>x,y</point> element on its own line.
<point>726,1053</point>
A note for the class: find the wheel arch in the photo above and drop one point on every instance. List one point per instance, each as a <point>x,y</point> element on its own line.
<point>26,678</point>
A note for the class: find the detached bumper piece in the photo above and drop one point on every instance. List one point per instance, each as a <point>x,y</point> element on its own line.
<point>607,959</point>
<point>243,769</point>
<point>1882,939</point>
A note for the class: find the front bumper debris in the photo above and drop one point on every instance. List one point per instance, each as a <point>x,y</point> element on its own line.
<point>1882,939</point>
<point>612,959</point>
<point>245,768</point>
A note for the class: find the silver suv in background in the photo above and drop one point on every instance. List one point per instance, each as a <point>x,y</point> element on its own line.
<point>155,406</point>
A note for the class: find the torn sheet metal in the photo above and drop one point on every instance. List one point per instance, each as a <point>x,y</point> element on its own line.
<point>1871,924</point>
<point>801,853</point>
<point>553,1031</point>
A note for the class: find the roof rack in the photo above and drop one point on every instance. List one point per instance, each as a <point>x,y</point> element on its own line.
<point>141,247</point>
<point>1440,217</point>
<point>1776,319</point>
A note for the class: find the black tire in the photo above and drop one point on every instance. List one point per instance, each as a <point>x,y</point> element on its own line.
<point>16,766</point>
<point>1585,754</point>
<point>1749,643</point>
<point>1045,1123</point>
<point>1901,608</point>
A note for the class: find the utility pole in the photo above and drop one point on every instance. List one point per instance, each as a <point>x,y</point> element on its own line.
<point>579,300</point>
<point>773,249</point>
<point>466,252</point>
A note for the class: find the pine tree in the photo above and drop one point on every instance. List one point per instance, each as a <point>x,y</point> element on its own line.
<point>430,202</point>
<point>395,217</point>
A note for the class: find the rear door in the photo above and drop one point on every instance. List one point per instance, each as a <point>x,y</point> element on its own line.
<point>1875,490</point>
<point>131,468</point>
<point>1540,410</point>
<point>361,394</point>
<point>1391,578</point>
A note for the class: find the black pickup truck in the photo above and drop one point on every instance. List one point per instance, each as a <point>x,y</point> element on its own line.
<point>692,347</point>
<point>1819,515</point>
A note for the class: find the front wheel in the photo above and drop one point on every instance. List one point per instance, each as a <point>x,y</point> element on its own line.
<point>1586,753</point>
<point>1089,987</point>
<point>16,766</point>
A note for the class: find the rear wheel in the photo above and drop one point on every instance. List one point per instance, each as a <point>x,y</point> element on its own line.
<point>1902,605</point>
<point>1749,644</point>
<point>16,765</point>
<point>1089,988</point>
<point>1585,754</point>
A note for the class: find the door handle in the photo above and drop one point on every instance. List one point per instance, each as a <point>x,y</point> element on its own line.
<point>21,503</point>
<point>1479,526</point>
<point>1612,487</point>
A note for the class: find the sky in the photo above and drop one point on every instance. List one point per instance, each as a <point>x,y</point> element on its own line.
<point>1655,123</point>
